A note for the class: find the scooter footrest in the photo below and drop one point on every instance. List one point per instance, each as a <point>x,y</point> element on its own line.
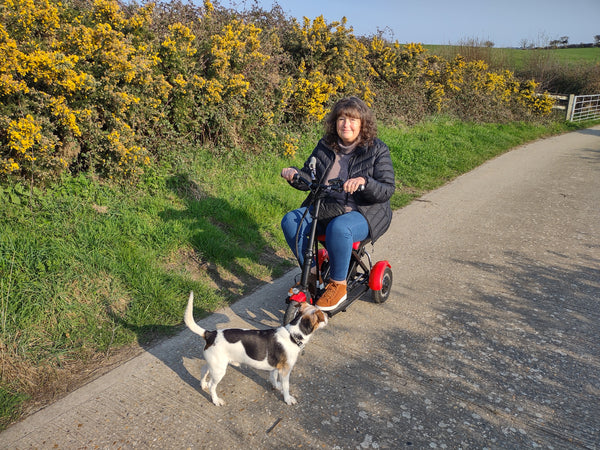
<point>353,294</point>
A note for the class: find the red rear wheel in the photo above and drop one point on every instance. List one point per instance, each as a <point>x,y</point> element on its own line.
<point>382,294</point>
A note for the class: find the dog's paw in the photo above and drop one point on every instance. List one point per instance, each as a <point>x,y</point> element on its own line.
<point>218,402</point>
<point>290,400</point>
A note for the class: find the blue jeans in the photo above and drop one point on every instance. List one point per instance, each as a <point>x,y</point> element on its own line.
<point>340,234</point>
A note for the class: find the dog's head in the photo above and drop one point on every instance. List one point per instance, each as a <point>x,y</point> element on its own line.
<point>309,318</point>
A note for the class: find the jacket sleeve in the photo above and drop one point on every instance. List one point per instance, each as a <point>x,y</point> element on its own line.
<point>381,183</point>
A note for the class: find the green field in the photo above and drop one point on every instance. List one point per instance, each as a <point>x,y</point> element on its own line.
<point>563,56</point>
<point>517,59</point>
<point>575,55</point>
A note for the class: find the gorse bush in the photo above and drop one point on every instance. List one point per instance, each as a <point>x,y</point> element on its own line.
<point>104,88</point>
<point>75,84</point>
<point>327,60</point>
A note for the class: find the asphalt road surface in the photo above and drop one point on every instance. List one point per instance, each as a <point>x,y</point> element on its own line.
<point>489,338</point>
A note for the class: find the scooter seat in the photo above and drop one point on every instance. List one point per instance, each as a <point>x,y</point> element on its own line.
<point>355,245</point>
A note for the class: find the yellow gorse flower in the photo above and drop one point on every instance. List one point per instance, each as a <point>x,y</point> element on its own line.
<point>23,134</point>
<point>33,17</point>
<point>180,40</point>
<point>55,68</point>
<point>66,116</point>
<point>9,166</point>
<point>237,45</point>
<point>290,145</point>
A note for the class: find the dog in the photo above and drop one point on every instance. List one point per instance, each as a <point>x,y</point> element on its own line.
<point>274,349</point>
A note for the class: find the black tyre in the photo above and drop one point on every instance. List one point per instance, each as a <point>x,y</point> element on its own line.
<point>290,312</point>
<point>386,287</point>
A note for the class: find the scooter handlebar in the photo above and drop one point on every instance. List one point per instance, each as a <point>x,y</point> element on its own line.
<point>335,184</point>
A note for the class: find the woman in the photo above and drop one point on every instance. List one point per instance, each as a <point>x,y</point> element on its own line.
<point>351,151</point>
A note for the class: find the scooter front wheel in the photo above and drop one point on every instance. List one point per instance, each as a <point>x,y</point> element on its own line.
<point>290,312</point>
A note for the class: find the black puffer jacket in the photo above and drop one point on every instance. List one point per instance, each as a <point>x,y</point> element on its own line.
<point>375,165</point>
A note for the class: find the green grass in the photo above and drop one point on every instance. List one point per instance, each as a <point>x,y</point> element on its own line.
<point>87,267</point>
<point>10,405</point>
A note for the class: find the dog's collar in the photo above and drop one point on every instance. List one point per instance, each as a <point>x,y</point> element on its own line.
<point>296,339</point>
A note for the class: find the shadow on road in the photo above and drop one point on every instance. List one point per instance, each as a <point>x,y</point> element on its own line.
<point>522,363</point>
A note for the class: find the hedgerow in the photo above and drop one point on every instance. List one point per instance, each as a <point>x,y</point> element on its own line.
<point>106,88</point>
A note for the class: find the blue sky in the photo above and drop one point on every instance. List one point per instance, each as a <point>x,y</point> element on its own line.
<point>506,23</point>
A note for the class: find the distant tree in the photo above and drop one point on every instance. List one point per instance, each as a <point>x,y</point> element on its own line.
<point>597,40</point>
<point>526,44</point>
<point>564,40</point>
<point>488,44</point>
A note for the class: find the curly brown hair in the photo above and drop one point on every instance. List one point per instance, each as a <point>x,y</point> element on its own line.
<point>351,107</point>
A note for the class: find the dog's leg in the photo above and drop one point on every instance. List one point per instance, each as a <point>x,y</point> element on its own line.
<point>204,376</point>
<point>273,377</point>
<point>284,375</point>
<point>216,375</point>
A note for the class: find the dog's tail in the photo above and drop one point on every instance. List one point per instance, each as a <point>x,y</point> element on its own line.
<point>188,318</point>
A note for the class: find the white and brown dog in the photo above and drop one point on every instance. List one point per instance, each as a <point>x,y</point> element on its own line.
<point>274,349</point>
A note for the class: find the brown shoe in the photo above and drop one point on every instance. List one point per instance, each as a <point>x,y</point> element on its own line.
<point>334,295</point>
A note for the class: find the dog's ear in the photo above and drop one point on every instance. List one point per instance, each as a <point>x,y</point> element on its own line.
<point>321,316</point>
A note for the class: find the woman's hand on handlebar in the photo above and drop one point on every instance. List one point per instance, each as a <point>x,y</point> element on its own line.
<point>351,186</point>
<point>354,184</point>
<point>288,173</point>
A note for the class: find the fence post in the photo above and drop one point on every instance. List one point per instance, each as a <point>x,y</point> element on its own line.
<point>570,107</point>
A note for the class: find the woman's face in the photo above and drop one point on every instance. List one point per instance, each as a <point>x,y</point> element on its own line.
<point>348,128</point>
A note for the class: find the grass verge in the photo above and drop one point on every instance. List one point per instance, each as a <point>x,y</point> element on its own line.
<point>91,273</point>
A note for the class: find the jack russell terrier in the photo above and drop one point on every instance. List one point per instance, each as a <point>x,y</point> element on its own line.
<point>274,349</point>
